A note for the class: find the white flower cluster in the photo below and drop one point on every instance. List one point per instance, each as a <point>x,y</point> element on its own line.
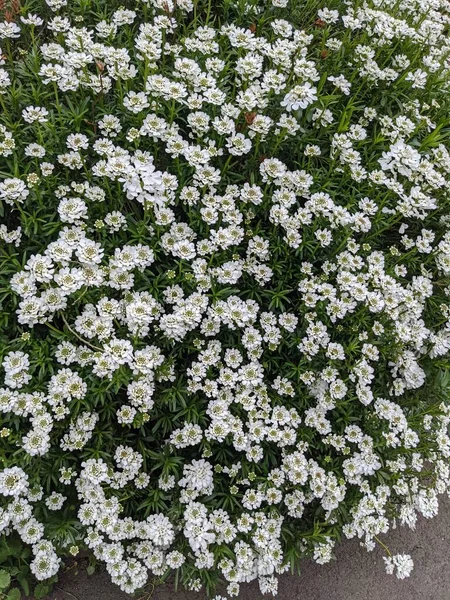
<point>18,516</point>
<point>217,296</point>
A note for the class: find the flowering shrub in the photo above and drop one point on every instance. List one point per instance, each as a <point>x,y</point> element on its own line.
<point>225,281</point>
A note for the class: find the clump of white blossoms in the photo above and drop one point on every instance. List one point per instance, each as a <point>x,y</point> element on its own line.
<point>225,317</point>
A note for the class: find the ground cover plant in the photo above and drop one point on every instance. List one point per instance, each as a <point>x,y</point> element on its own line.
<point>225,260</point>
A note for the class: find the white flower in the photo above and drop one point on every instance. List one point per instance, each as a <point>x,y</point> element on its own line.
<point>197,476</point>
<point>301,96</point>
<point>402,564</point>
<point>9,30</point>
<point>13,482</point>
<point>31,19</point>
<point>136,102</point>
<point>13,190</point>
<point>32,114</point>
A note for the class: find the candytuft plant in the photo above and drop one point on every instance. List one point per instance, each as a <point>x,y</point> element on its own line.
<point>224,282</point>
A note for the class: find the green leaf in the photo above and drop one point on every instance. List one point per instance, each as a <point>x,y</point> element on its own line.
<point>41,590</point>
<point>14,594</point>
<point>22,579</point>
<point>90,570</point>
<point>5,579</point>
<point>4,553</point>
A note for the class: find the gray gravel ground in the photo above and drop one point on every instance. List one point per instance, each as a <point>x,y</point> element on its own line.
<point>355,575</point>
